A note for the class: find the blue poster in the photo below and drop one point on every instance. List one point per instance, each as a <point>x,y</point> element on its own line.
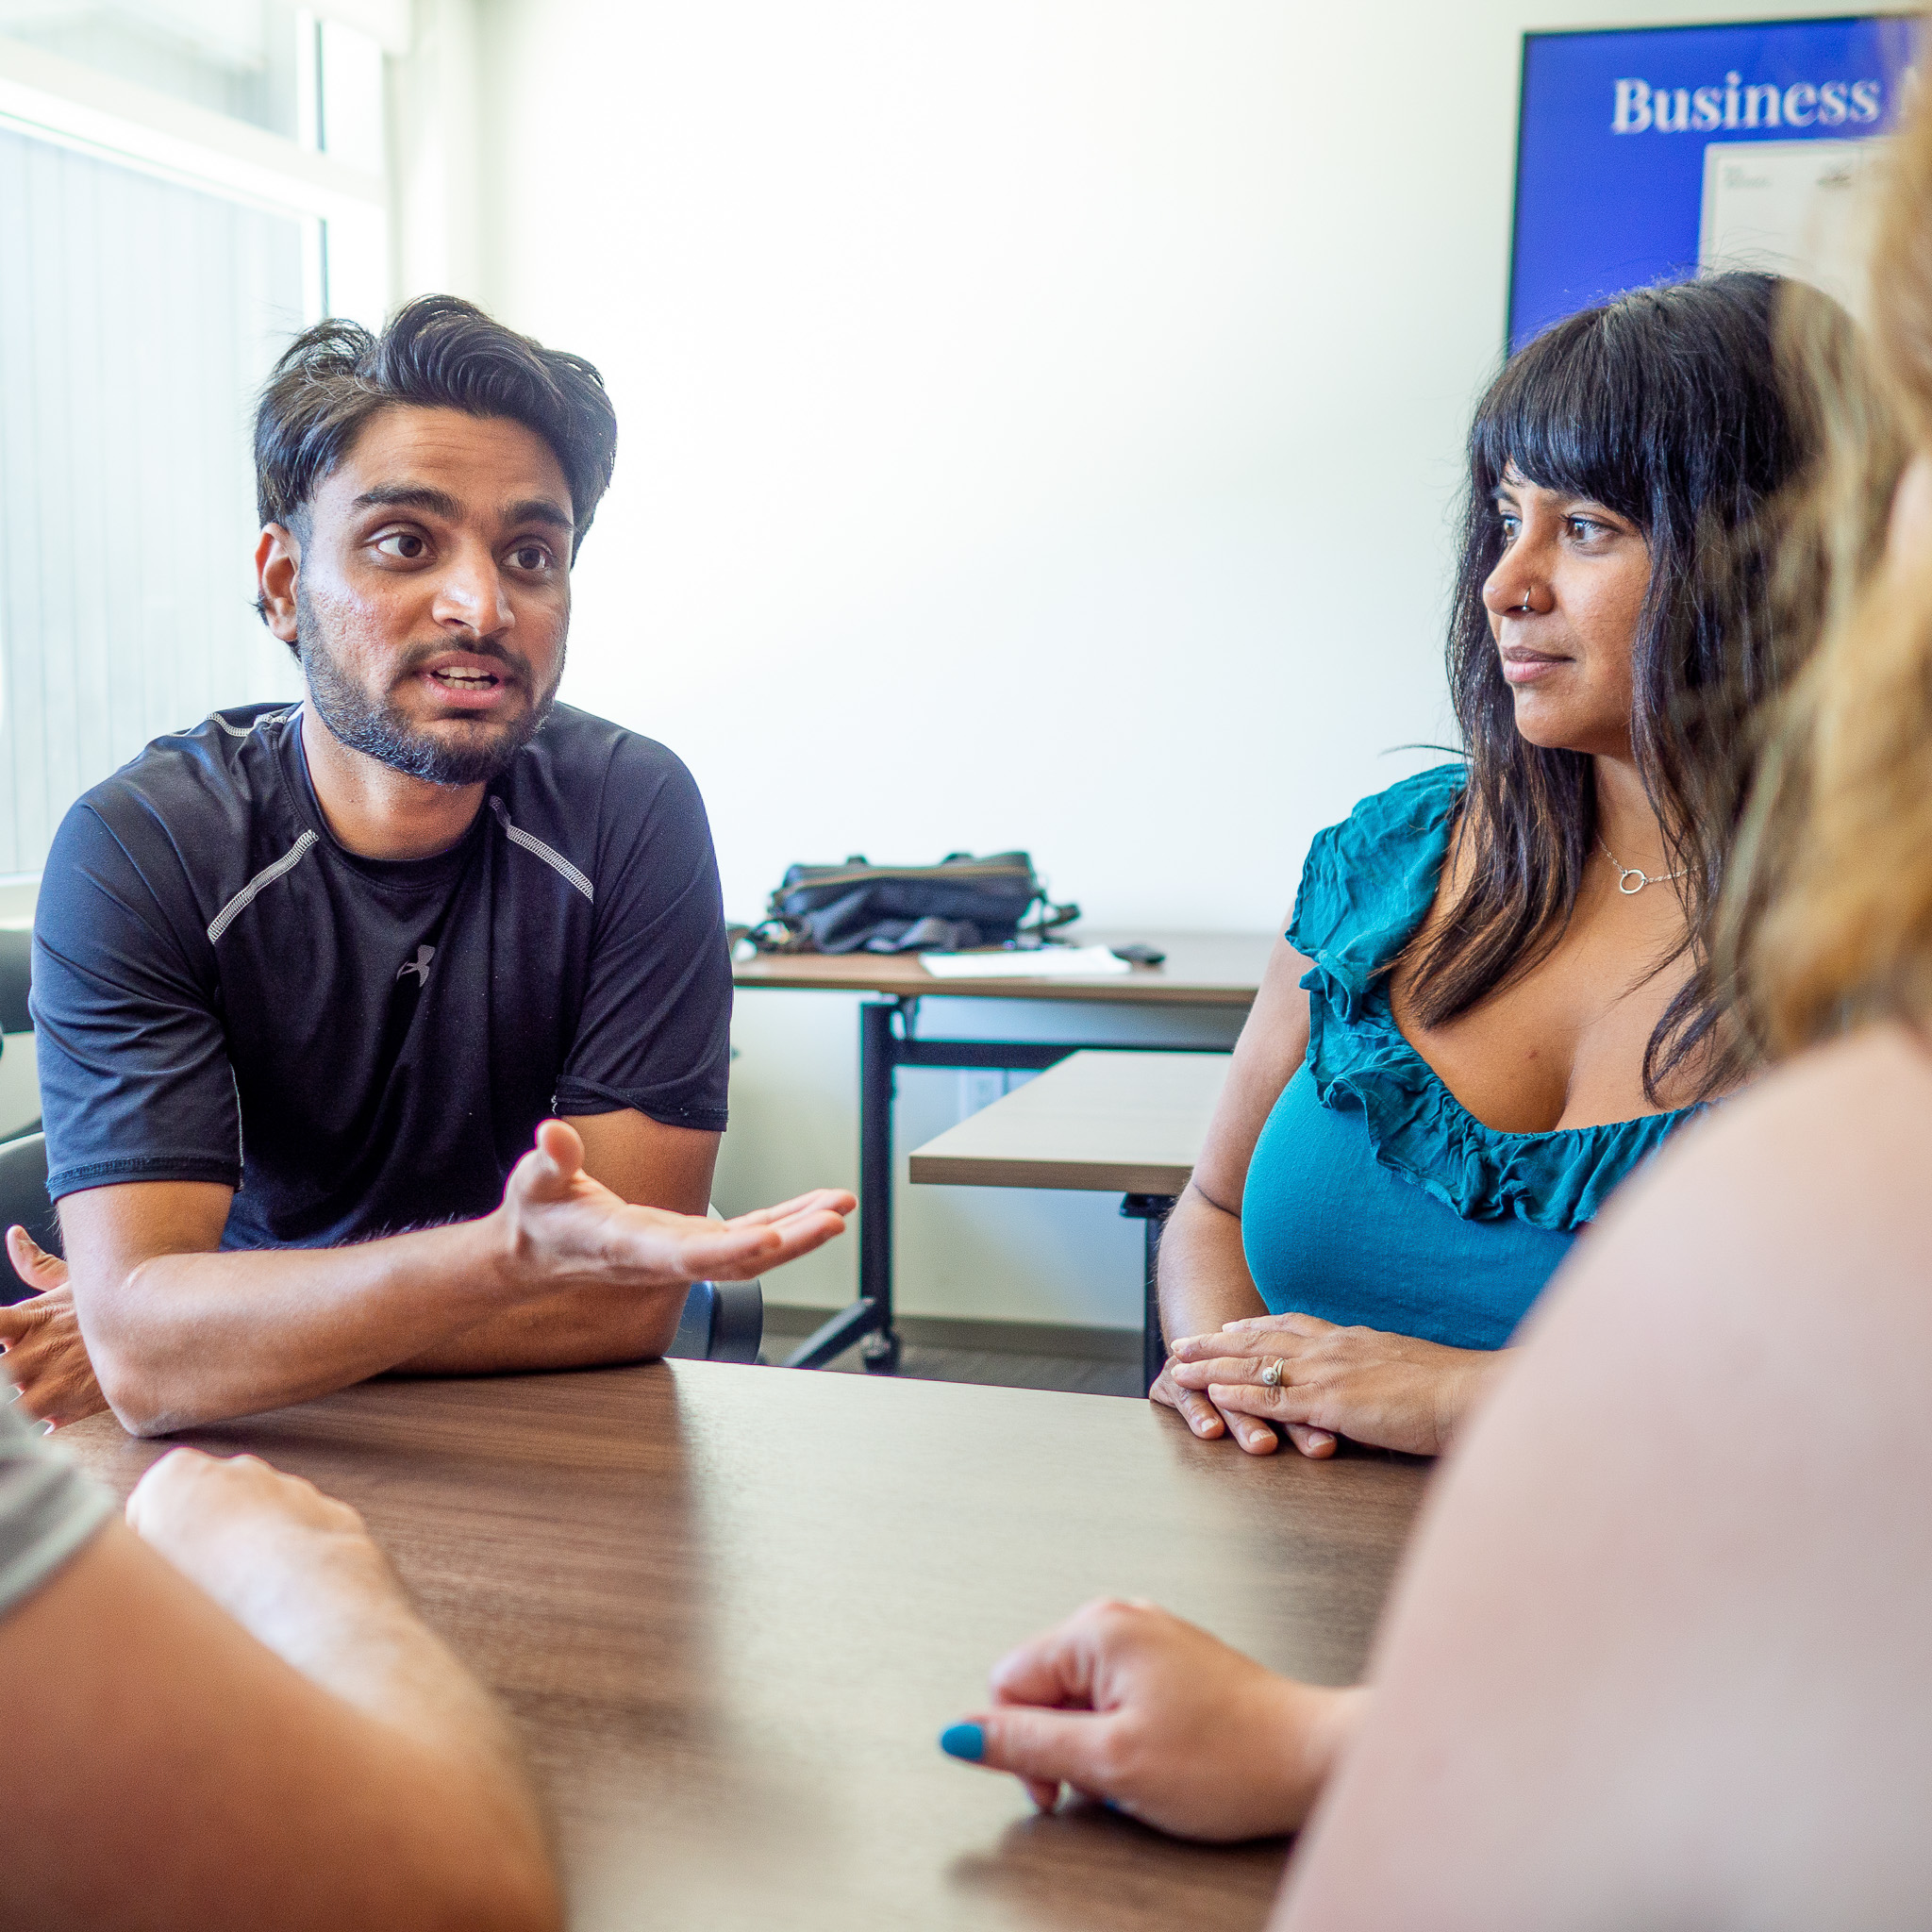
<point>1646,154</point>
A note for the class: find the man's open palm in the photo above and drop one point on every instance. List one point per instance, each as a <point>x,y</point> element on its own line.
<point>561,1220</point>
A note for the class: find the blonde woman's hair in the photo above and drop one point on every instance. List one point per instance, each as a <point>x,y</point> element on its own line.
<point>1828,918</point>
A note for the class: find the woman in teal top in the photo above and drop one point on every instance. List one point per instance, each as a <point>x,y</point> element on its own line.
<point>1373,1195</point>
<point>1491,1002</point>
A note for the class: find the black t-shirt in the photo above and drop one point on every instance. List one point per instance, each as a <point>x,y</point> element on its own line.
<point>221,992</point>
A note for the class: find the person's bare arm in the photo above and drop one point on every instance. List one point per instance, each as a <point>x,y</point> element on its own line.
<point>1659,1656</point>
<point>180,1333</point>
<point>236,1716</point>
<point>1204,1275</point>
<point>643,1161</point>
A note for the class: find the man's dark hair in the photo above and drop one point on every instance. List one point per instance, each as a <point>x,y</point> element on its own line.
<point>437,353</point>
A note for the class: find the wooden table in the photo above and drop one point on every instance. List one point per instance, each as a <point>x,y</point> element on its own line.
<point>1201,970</point>
<point>731,1610</point>
<point>1130,1123</point>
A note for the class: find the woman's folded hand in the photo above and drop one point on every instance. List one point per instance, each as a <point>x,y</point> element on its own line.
<point>1318,1381</point>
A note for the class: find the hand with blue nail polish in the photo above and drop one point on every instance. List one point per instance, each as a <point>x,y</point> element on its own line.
<point>1130,1706</point>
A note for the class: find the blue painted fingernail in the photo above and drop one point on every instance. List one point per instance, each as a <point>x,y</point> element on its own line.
<point>963,1740</point>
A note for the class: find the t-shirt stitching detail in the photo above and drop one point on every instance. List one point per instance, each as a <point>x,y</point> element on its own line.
<point>160,1167</point>
<point>550,857</point>
<point>573,1093</point>
<point>266,877</point>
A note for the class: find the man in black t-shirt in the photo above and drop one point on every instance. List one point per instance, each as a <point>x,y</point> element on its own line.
<point>309,977</point>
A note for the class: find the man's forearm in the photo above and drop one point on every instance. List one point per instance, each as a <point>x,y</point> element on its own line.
<point>577,1330</point>
<point>188,1338</point>
<point>181,1334</point>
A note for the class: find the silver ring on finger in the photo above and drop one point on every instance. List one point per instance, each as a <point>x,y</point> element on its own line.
<point>1271,1372</point>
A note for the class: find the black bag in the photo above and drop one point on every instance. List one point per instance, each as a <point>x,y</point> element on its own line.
<point>961,901</point>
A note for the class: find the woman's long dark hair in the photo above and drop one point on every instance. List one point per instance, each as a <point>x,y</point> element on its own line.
<point>1666,406</point>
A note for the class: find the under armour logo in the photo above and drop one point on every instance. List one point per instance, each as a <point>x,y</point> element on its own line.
<point>418,965</point>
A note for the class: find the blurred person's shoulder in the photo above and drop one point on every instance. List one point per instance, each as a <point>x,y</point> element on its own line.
<point>1804,1202</point>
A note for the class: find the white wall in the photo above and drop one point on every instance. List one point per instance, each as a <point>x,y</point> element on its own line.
<point>1040,426</point>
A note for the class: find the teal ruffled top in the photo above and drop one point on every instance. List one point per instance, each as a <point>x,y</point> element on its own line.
<point>1374,1196</point>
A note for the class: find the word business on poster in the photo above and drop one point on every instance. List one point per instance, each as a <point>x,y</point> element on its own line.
<point>1649,153</point>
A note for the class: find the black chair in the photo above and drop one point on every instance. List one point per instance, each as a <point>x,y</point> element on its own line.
<point>723,1321</point>
<point>24,1200</point>
<point>16,964</point>
<point>16,956</point>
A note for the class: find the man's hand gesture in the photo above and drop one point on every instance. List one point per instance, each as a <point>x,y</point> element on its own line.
<point>556,1222</point>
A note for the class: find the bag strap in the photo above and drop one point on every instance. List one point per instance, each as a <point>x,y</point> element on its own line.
<point>1051,918</point>
<point>781,935</point>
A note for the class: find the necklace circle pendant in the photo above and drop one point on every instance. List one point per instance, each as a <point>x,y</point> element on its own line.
<point>1624,877</point>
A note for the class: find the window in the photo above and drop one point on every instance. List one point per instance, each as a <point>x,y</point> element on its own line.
<point>239,57</point>
<point>184,183</point>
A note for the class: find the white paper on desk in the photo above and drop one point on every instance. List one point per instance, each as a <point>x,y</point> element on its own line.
<point>1046,963</point>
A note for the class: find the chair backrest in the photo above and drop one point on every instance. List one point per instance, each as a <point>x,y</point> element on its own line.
<point>16,965</point>
<point>24,1200</point>
<point>723,1321</point>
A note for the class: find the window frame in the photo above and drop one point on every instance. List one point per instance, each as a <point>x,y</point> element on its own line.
<point>52,98</point>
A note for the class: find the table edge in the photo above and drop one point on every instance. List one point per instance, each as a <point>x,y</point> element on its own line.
<point>1087,1177</point>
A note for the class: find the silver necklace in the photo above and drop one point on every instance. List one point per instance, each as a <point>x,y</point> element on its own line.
<point>1626,872</point>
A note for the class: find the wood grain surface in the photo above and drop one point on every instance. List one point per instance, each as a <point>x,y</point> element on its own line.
<point>1122,1122</point>
<point>1201,970</point>
<point>732,1608</point>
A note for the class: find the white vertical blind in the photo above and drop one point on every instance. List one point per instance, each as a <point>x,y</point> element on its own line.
<point>136,319</point>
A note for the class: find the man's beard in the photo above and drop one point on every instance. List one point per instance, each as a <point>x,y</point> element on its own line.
<point>378,726</point>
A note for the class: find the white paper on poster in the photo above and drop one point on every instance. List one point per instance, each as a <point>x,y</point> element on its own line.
<point>1792,208</point>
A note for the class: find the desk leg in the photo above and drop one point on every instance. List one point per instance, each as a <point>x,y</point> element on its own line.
<point>1151,1210</point>
<point>878,1060</point>
<point>871,1316</point>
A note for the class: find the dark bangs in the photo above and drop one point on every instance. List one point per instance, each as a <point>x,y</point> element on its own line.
<point>1663,406</point>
